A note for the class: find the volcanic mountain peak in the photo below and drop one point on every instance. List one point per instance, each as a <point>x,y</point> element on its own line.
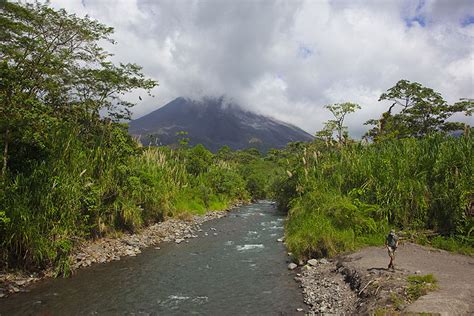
<point>214,123</point>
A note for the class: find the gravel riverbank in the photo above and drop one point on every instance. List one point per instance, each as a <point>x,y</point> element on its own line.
<point>108,249</point>
<point>324,288</point>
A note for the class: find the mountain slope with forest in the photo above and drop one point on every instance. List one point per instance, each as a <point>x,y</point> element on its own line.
<point>214,124</point>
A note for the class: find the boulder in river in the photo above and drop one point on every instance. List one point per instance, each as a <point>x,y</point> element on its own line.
<point>292,266</point>
<point>313,262</point>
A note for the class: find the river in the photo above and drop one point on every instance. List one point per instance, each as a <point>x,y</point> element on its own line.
<point>235,267</point>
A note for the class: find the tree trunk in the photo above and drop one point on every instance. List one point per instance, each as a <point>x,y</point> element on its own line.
<point>5,152</point>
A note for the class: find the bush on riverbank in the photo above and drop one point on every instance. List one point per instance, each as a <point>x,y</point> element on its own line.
<point>342,197</point>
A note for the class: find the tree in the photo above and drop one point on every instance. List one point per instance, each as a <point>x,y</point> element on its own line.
<point>199,160</point>
<point>183,139</point>
<point>224,153</point>
<point>340,111</point>
<point>421,111</point>
<point>327,132</point>
<point>53,70</point>
<point>466,105</point>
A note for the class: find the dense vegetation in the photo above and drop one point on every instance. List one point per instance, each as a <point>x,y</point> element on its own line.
<point>70,170</point>
<point>342,198</point>
<point>413,175</point>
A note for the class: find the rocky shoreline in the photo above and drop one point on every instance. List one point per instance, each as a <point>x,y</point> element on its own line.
<point>325,290</point>
<point>109,249</point>
<point>336,286</point>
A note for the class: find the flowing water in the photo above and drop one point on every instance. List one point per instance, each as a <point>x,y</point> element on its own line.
<point>237,269</point>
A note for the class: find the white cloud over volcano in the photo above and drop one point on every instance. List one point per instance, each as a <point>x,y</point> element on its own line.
<point>288,59</point>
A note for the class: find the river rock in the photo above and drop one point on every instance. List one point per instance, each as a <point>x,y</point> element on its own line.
<point>292,266</point>
<point>313,262</point>
<point>179,240</point>
<point>14,289</point>
<point>20,282</point>
<point>323,261</point>
<point>307,267</point>
<point>280,239</point>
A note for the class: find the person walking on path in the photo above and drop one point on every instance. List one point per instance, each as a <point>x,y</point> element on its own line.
<point>391,242</point>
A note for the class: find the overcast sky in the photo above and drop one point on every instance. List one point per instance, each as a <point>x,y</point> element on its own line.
<point>289,58</point>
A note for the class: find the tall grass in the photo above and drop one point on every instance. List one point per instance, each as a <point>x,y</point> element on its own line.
<point>88,187</point>
<point>339,198</point>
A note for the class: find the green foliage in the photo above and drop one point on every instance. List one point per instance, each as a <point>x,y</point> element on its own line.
<point>419,285</point>
<point>460,244</point>
<point>54,71</point>
<point>69,173</point>
<point>324,223</point>
<point>226,180</point>
<point>260,175</point>
<point>339,111</point>
<point>340,198</point>
<point>199,160</point>
<point>422,111</point>
<point>183,139</point>
<point>3,218</point>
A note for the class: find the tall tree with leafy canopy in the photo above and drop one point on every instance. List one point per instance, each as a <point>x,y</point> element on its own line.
<point>420,111</point>
<point>339,111</point>
<point>54,70</point>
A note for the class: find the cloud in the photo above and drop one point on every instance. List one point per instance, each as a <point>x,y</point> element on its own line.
<point>288,59</point>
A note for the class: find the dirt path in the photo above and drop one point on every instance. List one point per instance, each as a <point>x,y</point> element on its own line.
<point>455,274</point>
